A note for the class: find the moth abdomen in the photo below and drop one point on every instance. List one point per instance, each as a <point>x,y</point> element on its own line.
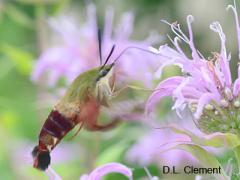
<point>54,129</point>
<point>57,125</point>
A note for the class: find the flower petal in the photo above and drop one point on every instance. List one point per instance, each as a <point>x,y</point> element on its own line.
<point>105,169</point>
<point>234,9</point>
<point>216,27</point>
<point>165,88</point>
<point>204,99</point>
<point>52,174</point>
<point>125,27</point>
<point>195,55</point>
<point>236,87</point>
<point>224,63</point>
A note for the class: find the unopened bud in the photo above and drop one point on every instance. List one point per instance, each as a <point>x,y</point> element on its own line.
<point>209,107</point>
<point>228,93</point>
<point>236,104</point>
<point>224,103</point>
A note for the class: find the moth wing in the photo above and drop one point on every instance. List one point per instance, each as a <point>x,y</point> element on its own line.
<point>89,115</point>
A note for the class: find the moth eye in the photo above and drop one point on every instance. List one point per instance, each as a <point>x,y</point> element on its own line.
<point>103,73</point>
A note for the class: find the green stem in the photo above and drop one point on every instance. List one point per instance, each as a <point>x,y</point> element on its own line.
<point>236,151</point>
<point>40,26</point>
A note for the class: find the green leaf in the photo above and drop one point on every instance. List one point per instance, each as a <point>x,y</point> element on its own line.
<point>236,151</point>
<point>214,140</point>
<point>22,60</point>
<point>112,153</point>
<point>9,120</point>
<point>5,68</point>
<point>37,2</point>
<point>58,7</point>
<point>19,16</point>
<point>205,158</point>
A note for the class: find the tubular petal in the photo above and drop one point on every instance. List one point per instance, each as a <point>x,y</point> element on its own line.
<point>103,170</point>
<point>195,55</point>
<point>236,87</point>
<point>204,99</point>
<point>165,88</point>
<point>234,9</point>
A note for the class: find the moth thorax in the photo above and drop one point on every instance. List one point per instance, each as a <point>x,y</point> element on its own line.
<point>103,87</point>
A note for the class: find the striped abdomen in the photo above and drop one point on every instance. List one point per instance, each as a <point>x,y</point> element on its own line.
<point>54,129</point>
<point>60,121</point>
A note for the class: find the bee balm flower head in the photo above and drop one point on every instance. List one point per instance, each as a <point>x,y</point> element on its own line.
<point>78,50</point>
<point>206,86</point>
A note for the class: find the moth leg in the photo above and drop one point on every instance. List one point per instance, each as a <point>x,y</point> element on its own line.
<point>89,115</point>
<point>79,128</point>
<point>130,87</point>
<point>116,93</point>
<point>96,127</point>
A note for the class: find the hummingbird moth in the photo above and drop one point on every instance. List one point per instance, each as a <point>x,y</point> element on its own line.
<point>80,105</point>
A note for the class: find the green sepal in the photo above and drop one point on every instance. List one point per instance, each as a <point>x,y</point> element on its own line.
<point>217,140</point>
<point>205,158</point>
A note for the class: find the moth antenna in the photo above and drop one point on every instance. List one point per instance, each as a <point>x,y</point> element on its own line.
<point>109,55</point>
<point>148,173</point>
<point>132,47</point>
<point>100,45</point>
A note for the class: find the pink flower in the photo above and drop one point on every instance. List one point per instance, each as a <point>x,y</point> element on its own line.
<point>148,149</point>
<point>205,86</point>
<point>154,148</point>
<point>78,50</point>
<point>180,145</point>
<point>105,169</point>
<point>98,173</point>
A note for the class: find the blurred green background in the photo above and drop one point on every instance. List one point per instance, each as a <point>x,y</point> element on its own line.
<point>23,36</point>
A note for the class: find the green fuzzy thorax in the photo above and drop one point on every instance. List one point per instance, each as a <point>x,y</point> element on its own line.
<point>85,85</point>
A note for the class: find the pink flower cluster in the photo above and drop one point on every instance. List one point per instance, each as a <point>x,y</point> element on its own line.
<point>78,50</point>
<point>204,83</point>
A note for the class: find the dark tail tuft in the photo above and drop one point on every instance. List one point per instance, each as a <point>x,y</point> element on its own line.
<point>35,151</point>
<point>42,159</point>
